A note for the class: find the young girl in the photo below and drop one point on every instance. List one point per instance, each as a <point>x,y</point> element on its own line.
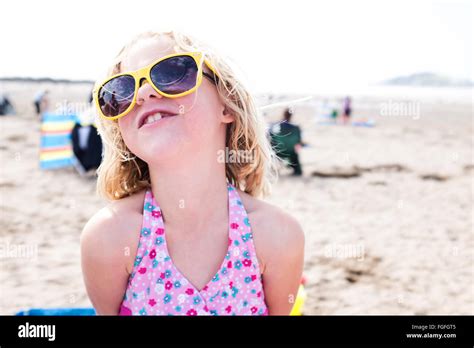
<point>184,233</point>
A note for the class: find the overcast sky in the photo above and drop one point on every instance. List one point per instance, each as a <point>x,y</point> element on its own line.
<point>293,45</point>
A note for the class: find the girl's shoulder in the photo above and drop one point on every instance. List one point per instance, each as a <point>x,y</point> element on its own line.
<point>275,232</point>
<point>114,230</point>
<point>119,213</point>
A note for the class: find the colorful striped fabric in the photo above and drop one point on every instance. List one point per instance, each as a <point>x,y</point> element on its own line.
<point>55,145</point>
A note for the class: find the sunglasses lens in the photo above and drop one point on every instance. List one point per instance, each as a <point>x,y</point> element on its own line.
<point>116,95</point>
<point>175,75</point>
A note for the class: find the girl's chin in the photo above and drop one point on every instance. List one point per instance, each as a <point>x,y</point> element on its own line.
<point>158,150</point>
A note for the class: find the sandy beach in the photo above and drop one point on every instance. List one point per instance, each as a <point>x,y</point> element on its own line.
<point>387,211</point>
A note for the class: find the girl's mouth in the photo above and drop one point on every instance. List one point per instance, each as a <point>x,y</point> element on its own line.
<point>154,117</point>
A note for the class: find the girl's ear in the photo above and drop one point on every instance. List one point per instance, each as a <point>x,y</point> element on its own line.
<point>227,116</point>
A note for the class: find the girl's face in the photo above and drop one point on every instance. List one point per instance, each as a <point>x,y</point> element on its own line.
<point>199,121</point>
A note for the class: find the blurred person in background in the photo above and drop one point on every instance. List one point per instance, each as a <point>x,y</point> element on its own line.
<point>286,141</point>
<point>41,101</point>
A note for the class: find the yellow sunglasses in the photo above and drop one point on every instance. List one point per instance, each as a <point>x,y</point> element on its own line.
<point>173,76</point>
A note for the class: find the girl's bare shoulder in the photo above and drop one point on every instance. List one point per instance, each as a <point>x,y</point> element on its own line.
<point>274,230</point>
<point>116,214</point>
<point>115,227</point>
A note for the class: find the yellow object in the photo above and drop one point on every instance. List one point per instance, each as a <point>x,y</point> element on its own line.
<point>144,73</point>
<point>54,155</point>
<point>57,126</point>
<point>298,307</point>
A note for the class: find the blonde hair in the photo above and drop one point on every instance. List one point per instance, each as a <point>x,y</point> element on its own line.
<point>121,173</point>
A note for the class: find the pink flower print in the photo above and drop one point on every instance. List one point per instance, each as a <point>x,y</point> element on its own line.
<point>142,270</point>
<point>253,309</point>
<point>234,225</point>
<point>228,309</point>
<point>253,277</point>
<point>247,262</point>
<point>231,284</point>
<point>205,288</point>
<point>168,285</point>
<point>162,275</point>
<point>125,310</point>
<point>159,231</point>
<point>189,291</point>
<point>152,254</point>
<point>156,213</point>
<point>152,302</point>
<point>230,242</point>
<point>229,264</point>
<point>206,308</point>
<point>259,294</point>
<point>191,312</point>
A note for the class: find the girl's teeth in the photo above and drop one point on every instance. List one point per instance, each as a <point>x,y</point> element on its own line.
<point>153,118</point>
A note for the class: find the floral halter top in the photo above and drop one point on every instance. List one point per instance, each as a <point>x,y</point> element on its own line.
<point>156,286</point>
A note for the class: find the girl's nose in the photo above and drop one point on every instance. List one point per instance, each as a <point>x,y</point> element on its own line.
<point>146,92</point>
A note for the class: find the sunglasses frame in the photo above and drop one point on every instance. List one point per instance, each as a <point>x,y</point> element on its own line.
<point>144,73</point>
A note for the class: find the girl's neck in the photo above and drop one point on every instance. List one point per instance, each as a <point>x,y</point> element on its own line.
<point>191,195</point>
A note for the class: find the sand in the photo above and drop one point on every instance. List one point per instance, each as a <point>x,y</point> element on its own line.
<point>387,211</point>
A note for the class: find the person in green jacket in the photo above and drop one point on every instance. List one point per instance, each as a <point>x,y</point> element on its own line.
<point>286,141</point>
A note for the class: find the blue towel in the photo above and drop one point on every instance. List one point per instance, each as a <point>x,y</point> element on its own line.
<point>57,311</point>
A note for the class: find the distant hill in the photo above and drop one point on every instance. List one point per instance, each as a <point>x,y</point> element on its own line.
<point>42,79</point>
<point>428,79</point>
